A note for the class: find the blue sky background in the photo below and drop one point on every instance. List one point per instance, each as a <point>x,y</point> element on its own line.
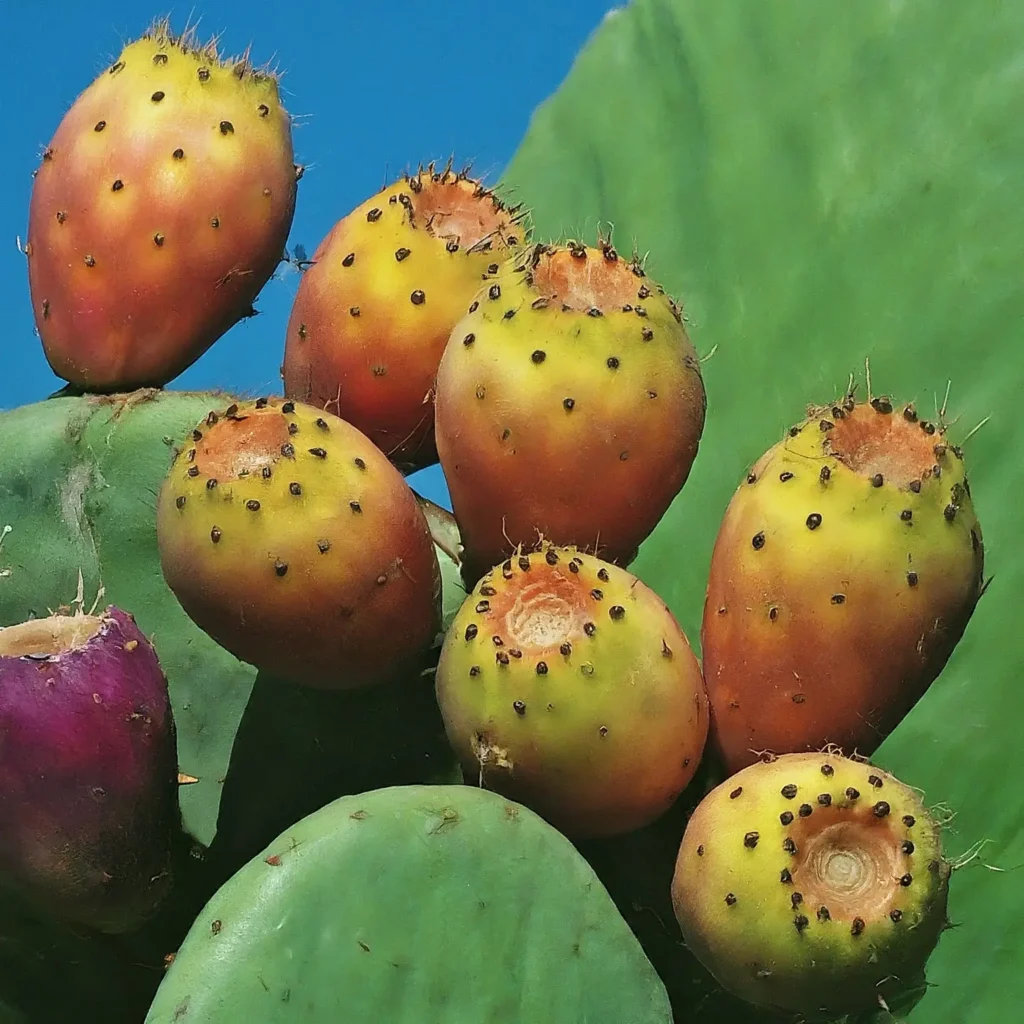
<point>376,87</point>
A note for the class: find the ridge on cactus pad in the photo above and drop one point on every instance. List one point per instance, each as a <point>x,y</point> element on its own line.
<point>290,539</point>
<point>88,769</point>
<point>569,405</point>
<point>444,904</point>
<point>813,883</point>
<point>846,569</point>
<point>160,210</point>
<point>382,293</point>
<point>566,684</point>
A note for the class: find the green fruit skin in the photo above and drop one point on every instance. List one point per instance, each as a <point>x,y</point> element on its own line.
<point>413,904</point>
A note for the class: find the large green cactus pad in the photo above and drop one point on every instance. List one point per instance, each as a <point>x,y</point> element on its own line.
<point>78,485</point>
<point>413,904</point>
<point>821,183</point>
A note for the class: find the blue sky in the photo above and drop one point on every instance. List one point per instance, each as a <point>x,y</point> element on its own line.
<point>376,87</point>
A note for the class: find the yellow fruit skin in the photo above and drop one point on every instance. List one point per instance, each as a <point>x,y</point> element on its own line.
<point>830,633</point>
<point>765,938</point>
<point>556,422</point>
<point>323,571</point>
<point>599,737</point>
<point>161,208</point>
<point>374,310</point>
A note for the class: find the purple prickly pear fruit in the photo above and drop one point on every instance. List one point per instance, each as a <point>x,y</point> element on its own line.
<point>88,769</point>
<point>566,684</point>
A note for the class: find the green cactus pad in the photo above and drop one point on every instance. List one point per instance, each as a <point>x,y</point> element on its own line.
<point>446,904</point>
<point>817,184</point>
<point>78,485</point>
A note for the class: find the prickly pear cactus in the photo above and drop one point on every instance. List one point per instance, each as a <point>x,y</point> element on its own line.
<point>846,569</point>
<point>79,479</point>
<point>374,310</point>
<point>867,209</point>
<point>814,884</point>
<point>554,666</point>
<point>161,208</point>
<point>571,367</point>
<point>339,917</point>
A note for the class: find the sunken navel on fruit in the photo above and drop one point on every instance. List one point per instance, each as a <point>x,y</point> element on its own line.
<point>803,644</point>
<point>566,684</point>
<point>812,882</point>
<point>568,388</point>
<point>408,261</point>
<point>288,536</point>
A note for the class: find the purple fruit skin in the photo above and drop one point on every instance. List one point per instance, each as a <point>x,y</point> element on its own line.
<point>88,779</point>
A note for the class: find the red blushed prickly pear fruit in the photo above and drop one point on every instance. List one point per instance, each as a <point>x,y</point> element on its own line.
<point>844,573</point>
<point>161,209</point>
<point>88,769</point>
<point>569,404</point>
<point>567,685</point>
<point>814,884</point>
<point>290,539</point>
<point>374,311</point>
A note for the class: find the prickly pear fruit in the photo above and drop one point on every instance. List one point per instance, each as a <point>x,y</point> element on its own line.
<point>290,539</point>
<point>569,404</point>
<point>88,769</point>
<point>812,883</point>
<point>844,573</point>
<point>374,310</point>
<point>337,919</point>
<point>161,209</point>
<point>565,683</point>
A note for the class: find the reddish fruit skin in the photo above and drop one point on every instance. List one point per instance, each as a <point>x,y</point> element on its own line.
<point>569,405</point>
<point>154,224</point>
<point>88,778</point>
<point>834,602</point>
<point>316,566</point>
<point>374,310</point>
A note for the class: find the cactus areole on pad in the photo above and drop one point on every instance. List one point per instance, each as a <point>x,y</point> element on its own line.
<point>161,208</point>
<point>567,684</point>
<point>812,883</point>
<point>845,571</point>
<point>292,541</point>
<point>88,769</point>
<point>569,404</point>
<point>376,306</point>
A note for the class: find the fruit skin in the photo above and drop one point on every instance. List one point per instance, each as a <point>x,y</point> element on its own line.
<point>569,404</point>
<point>373,312</point>
<point>830,630</point>
<point>317,564</point>
<point>78,484</point>
<point>160,210</point>
<point>345,907</point>
<point>88,770</point>
<point>770,943</point>
<point>598,726</point>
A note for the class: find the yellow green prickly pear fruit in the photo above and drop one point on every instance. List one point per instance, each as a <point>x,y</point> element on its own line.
<point>290,539</point>
<point>566,684</point>
<point>384,289</point>
<point>569,404</point>
<point>844,573</point>
<point>814,883</point>
<point>161,208</point>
